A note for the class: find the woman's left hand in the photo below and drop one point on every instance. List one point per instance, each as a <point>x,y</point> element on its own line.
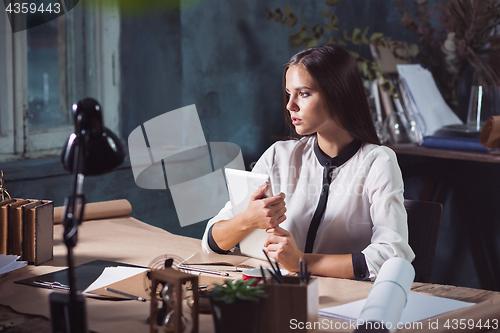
<point>281,246</point>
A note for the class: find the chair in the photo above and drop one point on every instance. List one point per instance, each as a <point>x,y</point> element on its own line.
<point>423,226</point>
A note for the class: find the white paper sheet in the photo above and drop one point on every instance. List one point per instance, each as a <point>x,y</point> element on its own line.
<point>429,101</point>
<point>420,307</point>
<point>114,274</point>
<point>9,263</point>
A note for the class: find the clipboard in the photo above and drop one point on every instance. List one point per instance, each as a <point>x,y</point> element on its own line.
<point>85,274</point>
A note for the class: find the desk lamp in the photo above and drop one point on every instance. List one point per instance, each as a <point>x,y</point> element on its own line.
<point>91,150</point>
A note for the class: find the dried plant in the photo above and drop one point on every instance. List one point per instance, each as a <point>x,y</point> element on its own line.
<point>328,33</point>
<point>468,34</point>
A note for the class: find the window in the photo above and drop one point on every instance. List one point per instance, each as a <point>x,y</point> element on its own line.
<point>49,67</point>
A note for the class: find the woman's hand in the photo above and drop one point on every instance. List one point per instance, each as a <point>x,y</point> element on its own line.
<point>281,246</point>
<point>262,212</point>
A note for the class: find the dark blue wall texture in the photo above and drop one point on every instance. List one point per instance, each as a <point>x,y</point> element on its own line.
<point>226,57</point>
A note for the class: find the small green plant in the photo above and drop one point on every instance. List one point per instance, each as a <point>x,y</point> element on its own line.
<point>229,292</point>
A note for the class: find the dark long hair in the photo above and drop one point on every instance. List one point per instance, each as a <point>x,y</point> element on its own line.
<point>338,77</point>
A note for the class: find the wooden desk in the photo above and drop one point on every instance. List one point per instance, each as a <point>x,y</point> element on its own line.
<point>131,241</point>
<point>26,323</point>
<point>461,171</point>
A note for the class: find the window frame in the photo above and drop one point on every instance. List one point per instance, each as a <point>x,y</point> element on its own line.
<point>6,88</point>
<point>89,29</point>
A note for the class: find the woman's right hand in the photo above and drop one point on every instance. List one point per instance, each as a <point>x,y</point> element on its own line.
<point>262,212</point>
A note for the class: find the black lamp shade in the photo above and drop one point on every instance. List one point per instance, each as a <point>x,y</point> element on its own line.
<point>102,149</point>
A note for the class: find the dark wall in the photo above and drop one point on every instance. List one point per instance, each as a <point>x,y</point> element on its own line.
<point>227,58</point>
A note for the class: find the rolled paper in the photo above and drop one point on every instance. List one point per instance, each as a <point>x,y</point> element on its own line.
<point>490,134</point>
<point>98,210</point>
<point>387,297</point>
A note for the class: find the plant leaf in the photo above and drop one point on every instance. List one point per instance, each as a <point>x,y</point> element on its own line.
<point>346,35</point>
<point>229,292</point>
<point>229,299</point>
<point>332,2</point>
<point>278,15</point>
<point>354,54</point>
<point>357,38</point>
<point>287,11</point>
<point>269,14</point>
<point>364,67</point>
<point>376,37</point>
<point>230,284</point>
<point>292,20</point>
<point>317,32</point>
<point>327,14</point>
<point>363,35</point>
<point>312,43</point>
<point>250,282</point>
<point>336,41</point>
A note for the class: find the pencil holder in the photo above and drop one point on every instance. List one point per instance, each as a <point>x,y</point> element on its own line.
<point>288,304</point>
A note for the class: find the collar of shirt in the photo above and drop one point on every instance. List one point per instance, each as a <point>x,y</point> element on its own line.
<point>338,160</point>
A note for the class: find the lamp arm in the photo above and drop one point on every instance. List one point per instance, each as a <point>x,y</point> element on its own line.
<point>75,205</point>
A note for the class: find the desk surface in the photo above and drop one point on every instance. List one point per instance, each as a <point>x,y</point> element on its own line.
<point>411,149</point>
<point>131,241</point>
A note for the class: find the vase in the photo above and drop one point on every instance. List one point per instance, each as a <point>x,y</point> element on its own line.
<point>484,102</point>
<point>240,316</point>
<point>394,129</point>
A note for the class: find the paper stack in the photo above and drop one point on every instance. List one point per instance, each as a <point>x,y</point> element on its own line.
<point>9,263</point>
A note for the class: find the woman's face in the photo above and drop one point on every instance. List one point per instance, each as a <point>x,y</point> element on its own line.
<point>306,104</point>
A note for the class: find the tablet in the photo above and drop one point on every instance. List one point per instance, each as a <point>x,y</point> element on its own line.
<point>241,185</point>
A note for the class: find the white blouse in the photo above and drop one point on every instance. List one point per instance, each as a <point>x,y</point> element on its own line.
<point>365,208</point>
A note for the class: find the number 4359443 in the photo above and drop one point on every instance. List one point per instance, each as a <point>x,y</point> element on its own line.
<point>31,7</point>
<point>461,324</point>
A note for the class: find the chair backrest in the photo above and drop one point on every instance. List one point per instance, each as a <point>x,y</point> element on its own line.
<point>424,218</point>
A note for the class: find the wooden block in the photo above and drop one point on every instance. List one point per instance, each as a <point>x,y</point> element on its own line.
<point>38,232</point>
<point>4,225</point>
<point>15,227</point>
<point>289,301</point>
<point>27,229</point>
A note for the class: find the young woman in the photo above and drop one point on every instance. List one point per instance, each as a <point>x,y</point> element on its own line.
<point>342,192</point>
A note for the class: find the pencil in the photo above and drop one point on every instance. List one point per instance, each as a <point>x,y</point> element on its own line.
<point>201,270</point>
<point>125,294</point>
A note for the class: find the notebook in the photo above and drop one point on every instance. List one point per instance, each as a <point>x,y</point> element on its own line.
<point>241,186</point>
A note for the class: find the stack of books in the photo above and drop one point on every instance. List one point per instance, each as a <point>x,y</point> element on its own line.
<point>27,229</point>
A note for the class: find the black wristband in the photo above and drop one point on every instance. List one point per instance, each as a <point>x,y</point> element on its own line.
<point>359,267</point>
